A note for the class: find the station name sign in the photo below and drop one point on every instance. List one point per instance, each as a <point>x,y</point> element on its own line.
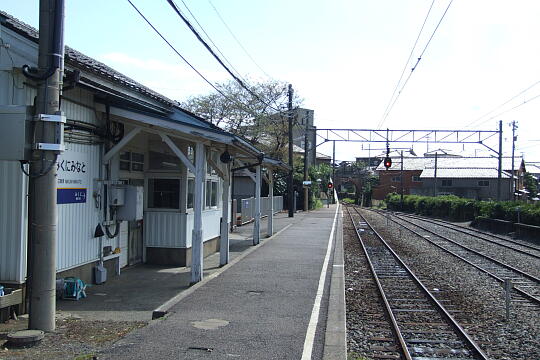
<point>72,182</point>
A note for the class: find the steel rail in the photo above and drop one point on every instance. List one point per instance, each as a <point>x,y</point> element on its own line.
<point>516,288</point>
<point>473,231</point>
<point>388,308</point>
<point>459,330</point>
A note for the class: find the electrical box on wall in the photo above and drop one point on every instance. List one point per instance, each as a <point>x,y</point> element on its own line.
<point>117,195</point>
<point>15,137</point>
<point>133,204</point>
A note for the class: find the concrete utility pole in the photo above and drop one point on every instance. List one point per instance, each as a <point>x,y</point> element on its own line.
<point>499,175</point>
<point>333,170</point>
<point>513,181</point>
<point>435,177</point>
<point>48,144</point>
<point>290,188</point>
<point>401,182</point>
<point>306,175</point>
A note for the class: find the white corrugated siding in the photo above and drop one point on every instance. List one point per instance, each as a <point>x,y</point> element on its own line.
<point>77,222</point>
<point>174,230</point>
<point>165,229</point>
<point>13,225</point>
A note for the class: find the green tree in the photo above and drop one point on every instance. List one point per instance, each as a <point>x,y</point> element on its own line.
<point>531,184</point>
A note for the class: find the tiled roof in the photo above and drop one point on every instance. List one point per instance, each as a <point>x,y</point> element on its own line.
<point>78,59</point>
<point>409,163</point>
<point>463,173</point>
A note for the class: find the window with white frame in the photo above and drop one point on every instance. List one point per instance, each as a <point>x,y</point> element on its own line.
<point>483,182</point>
<point>416,178</point>
<point>211,193</point>
<point>396,178</point>
<point>190,191</point>
<point>131,161</point>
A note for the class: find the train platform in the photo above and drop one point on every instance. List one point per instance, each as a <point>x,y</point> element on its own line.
<point>281,299</point>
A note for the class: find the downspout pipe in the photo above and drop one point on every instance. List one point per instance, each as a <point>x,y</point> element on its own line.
<point>57,51</point>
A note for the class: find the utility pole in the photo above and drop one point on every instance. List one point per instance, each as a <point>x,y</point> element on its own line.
<point>333,170</point>
<point>306,148</point>
<point>512,182</point>
<point>290,188</point>
<point>499,175</point>
<point>48,144</point>
<point>435,177</point>
<point>401,181</point>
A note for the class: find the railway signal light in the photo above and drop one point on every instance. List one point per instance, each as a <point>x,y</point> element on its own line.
<point>387,162</point>
<point>330,186</point>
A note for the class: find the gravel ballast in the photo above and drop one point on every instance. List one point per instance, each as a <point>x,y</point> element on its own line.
<point>478,299</point>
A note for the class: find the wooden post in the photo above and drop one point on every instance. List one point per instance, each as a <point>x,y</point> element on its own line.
<point>257,223</point>
<point>224,238</point>
<point>270,228</point>
<point>198,197</point>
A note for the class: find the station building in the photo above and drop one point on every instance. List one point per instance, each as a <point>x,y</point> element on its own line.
<point>132,162</point>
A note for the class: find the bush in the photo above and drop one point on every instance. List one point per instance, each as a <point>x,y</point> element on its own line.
<point>459,209</point>
<point>347,201</point>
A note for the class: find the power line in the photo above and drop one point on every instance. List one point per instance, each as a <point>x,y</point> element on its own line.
<point>176,51</point>
<point>405,67</point>
<point>415,65</point>
<point>210,39</point>
<point>211,51</point>
<point>187,62</point>
<point>513,108</point>
<point>501,105</point>
<point>236,39</point>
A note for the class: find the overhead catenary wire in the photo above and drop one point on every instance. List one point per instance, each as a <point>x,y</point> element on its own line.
<point>218,59</point>
<point>406,64</point>
<point>176,51</point>
<point>501,105</point>
<point>243,106</point>
<point>210,39</point>
<point>508,110</point>
<point>236,39</point>
<point>415,65</point>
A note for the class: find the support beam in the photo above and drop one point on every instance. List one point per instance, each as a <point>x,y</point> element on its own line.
<point>167,140</point>
<point>216,167</point>
<point>116,148</point>
<point>249,173</point>
<point>499,172</point>
<point>224,233</point>
<point>257,215</point>
<point>270,228</point>
<point>197,238</point>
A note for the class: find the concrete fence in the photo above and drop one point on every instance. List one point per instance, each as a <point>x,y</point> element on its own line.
<point>247,207</point>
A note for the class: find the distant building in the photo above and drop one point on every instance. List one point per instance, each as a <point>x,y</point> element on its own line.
<point>390,179</point>
<point>304,120</point>
<point>474,178</point>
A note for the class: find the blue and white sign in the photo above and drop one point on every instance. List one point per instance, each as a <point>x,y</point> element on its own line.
<point>72,183</point>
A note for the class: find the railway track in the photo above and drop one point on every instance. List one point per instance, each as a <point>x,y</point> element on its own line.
<point>423,329</point>
<point>521,247</point>
<point>524,284</point>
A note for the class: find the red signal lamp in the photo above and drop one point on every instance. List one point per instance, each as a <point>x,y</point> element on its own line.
<point>387,162</point>
<point>330,186</point>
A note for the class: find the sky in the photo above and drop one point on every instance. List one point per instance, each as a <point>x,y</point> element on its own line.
<point>343,57</point>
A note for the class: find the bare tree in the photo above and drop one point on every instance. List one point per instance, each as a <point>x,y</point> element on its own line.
<point>261,118</point>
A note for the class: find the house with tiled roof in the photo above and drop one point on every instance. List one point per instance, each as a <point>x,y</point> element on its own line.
<point>474,178</point>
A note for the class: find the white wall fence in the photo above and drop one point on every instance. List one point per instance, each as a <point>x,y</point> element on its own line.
<point>247,207</point>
